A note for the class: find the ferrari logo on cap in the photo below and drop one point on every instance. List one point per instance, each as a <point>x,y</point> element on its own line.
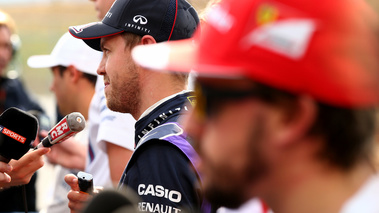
<point>266,14</point>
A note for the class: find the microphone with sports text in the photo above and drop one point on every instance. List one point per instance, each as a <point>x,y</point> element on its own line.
<point>18,130</point>
<point>67,127</point>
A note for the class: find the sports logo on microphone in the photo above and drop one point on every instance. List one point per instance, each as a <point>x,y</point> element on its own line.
<point>12,134</point>
<point>60,129</point>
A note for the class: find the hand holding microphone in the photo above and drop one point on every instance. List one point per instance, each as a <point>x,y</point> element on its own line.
<point>17,131</point>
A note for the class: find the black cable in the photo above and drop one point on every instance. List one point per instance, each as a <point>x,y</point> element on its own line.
<point>24,198</point>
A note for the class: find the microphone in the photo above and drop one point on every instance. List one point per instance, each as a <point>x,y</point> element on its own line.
<point>67,127</point>
<point>113,201</point>
<point>18,130</point>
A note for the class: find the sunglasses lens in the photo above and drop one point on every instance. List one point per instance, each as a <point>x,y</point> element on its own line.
<point>211,100</point>
<point>200,101</point>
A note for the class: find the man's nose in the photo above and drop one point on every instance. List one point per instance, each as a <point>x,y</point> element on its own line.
<point>101,68</point>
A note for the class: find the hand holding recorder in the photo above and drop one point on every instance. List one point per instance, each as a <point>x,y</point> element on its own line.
<point>81,192</point>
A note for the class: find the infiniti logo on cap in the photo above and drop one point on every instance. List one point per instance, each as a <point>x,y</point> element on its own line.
<point>141,19</point>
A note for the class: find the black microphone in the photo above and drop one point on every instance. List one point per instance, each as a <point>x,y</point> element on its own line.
<point>18,130</point>
<point>112,201</point>
<point>67,127</point>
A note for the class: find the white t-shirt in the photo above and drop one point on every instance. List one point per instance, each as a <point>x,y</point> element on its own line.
<point>105,125</point>
<point>58,202</point>
<point>366,199</point>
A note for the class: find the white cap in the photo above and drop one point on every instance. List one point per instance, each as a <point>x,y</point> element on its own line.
<point>69,51</point>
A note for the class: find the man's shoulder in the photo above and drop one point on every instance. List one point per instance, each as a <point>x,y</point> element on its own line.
<point>166,132</point>
<point>167,139</point>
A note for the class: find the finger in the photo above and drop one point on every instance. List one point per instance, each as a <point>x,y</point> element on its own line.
<point>72,181</point>
<point>78,197</point>
<point>31,161</point>
<point>34,155</point>
<point>5,178</point>
<point>42,151</point>
<point>77,200</point>
<point>4,167</point>
<point>75,207</point>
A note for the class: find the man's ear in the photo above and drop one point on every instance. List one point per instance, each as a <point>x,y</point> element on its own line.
<point>296,124</point>
<point>147,39</point>
<point>73,73</point>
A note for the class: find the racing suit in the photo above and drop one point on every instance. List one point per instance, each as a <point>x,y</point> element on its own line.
<point>161,169</point>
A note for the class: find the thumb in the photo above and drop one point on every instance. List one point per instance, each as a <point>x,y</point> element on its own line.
<point>72,181</point>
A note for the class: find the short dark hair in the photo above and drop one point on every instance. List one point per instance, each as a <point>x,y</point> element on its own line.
<point>348,133</point>
<point>131,39</point>
<point>91,78</point>
<point>61,69</point>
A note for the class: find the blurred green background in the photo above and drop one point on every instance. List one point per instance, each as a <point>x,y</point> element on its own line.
<point>40,23</point>
<point>39,26</point>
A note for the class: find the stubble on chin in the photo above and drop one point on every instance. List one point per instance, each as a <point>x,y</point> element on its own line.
<point>229,187</point>
<point>125,99</point>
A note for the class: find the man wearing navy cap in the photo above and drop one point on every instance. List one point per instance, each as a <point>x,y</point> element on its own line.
<point>161,169</point>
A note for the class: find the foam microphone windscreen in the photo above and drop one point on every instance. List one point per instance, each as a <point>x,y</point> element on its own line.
<point>111,201</point>
<point>18,130</point>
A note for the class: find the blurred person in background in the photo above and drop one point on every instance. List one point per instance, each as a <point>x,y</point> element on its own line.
<point>254,205</point>
<point>12,91</point>
<point>102,7</point>
<point>13,94</point>
<point>111,133</point>
<point>73,65</point>
<point>286,105</point>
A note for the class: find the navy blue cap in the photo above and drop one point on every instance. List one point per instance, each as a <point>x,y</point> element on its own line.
<point>163,19</point>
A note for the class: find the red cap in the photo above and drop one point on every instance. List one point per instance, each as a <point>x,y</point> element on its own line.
<point>326,49</point>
